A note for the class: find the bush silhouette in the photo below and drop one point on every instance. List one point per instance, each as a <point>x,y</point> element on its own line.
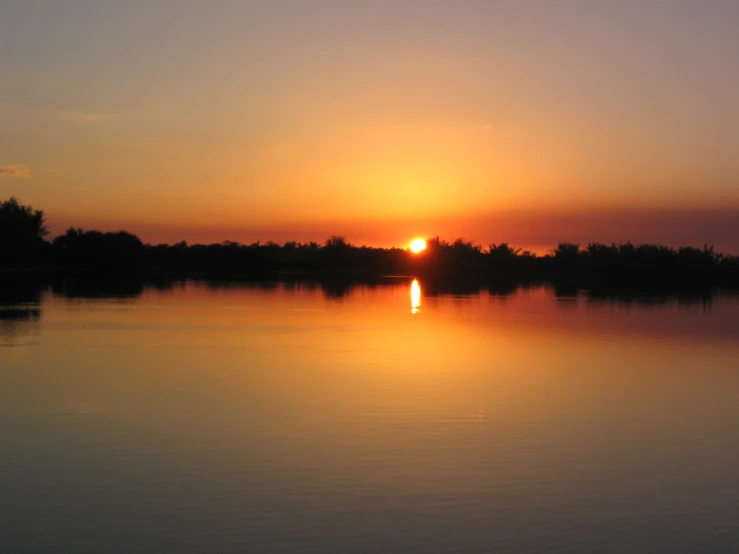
<point>22,232</point>
<point>97,249</point>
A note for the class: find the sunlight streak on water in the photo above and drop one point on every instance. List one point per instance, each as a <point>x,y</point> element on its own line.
<point>415,297</point>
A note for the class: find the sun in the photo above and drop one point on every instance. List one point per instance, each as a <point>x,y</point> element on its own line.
<point>417,245</point>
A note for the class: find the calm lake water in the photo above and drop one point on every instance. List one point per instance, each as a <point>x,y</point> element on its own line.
<point>380,419</point>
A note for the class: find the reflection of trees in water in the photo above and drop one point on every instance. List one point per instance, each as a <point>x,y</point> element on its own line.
<point>20,309</point>
<point>90,288</point>
<point>333,288</point>
<point>300,287</point>
<point>19,313</point>
<point>17,322</point>
<point>647,298</point>
<point>626,300</point>
<point>338,288</point>
<point>236,284</point>
<point>21,298</point>
<point>14,292</point>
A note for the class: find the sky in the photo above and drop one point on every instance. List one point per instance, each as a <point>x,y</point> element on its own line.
<point>526,122</point>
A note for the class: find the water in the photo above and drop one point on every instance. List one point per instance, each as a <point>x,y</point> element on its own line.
<point>380,419</point>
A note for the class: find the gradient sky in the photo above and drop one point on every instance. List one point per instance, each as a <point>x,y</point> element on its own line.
<point>520,121</point>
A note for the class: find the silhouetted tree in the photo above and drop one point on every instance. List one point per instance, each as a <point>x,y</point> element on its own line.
<point>336,252</point>
<point>336,241</point>
<point>22,232</point>
<point>98,250</point>
<point>502,254</point>
<point>567,251</point>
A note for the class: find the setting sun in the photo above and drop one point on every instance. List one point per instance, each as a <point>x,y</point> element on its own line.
<point>417,245</point>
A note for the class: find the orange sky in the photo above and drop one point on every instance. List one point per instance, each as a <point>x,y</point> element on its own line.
<point>527,122</point>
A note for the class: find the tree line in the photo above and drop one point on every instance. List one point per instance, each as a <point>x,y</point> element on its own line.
<point>23,243</point>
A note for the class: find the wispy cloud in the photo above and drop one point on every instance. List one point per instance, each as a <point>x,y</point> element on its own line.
<point>87,117</point>
<point>15,171</point>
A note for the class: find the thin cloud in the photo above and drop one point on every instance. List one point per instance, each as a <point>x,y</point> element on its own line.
<point>87,117</point>
<point>84,117</point>
<point>15,171</point>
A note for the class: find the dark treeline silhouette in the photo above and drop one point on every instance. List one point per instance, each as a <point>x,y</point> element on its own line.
<point>335,256</point>
<point>459,264</point>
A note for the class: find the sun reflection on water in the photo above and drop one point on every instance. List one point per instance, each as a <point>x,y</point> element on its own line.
<point>415,297</point>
